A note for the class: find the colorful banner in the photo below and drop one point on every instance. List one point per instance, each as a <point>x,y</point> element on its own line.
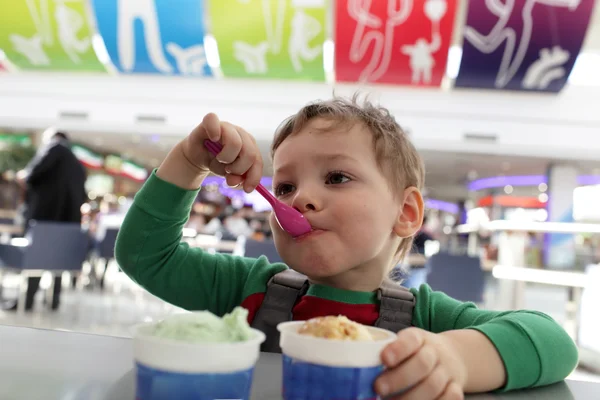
<point>87,157</point>
<point>388,41</point>
<point>154,36</point>
<point>270,38</point>
<point>47,35</point>
<point>522,45</point>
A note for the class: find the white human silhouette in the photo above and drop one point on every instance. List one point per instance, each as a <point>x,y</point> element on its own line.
<point>421,58</point>
<point>69,24</point>
<point>382,42</point>
<point>31,48</point>
<point>254,58</point>
<point>128,11</point>
<point>40,14</point>
<point>511,58</point>
<point>547,68</point>
<point>190,61</point>
<point>274,29</point>
<point>421,53</point>
<point>304,29</point>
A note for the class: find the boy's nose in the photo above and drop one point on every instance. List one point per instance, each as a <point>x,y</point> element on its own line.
<point>304,202</point>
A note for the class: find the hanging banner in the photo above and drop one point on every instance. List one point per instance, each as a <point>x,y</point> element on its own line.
<point>87,157</point>
<point>270,38</point>
<point>154,36</point>
<point>47,35</point>
<point>389,41</point>
<point>522,45</point>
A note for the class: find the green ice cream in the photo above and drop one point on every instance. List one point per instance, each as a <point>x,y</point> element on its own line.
<point>205,327</point>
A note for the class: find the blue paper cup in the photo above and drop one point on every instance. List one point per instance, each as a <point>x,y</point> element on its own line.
<point>172,369</point>
<point>326,369</point>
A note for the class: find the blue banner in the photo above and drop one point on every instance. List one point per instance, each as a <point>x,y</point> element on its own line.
<point>154,36</point>
<point>522,44</point>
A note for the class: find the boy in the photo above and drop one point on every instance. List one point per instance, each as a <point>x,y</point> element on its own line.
<point>353,173</point>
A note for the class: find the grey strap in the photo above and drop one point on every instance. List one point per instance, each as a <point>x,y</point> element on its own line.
<point>283,292</point>
<point>396,305</point>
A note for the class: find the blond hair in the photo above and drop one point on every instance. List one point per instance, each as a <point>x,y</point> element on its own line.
<point>396,156</point>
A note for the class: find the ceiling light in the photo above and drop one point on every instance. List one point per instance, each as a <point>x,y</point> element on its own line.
<point>211,50</point>
<point>453,64</point>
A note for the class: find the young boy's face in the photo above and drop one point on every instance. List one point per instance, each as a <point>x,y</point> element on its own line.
<point>333,178</point>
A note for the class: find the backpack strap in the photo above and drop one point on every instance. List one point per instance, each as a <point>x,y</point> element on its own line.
<point>396,305</point>
<point>284,290</point>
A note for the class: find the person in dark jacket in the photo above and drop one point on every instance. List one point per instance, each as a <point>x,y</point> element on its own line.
<point>54,191</point>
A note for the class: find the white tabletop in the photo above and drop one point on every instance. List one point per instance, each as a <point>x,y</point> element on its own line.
<point>42,364</point>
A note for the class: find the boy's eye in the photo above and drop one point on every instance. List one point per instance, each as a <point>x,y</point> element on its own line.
<point>337,178</point>
<point>283,189</point>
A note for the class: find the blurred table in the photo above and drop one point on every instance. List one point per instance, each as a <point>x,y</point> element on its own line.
<point>573,281</point>
<point>41,364</point>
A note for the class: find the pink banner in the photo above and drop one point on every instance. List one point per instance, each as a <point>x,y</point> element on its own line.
<point>390,41</point>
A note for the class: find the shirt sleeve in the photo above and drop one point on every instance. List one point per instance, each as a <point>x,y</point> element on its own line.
<point>535,350</point>
<point>150,251</point>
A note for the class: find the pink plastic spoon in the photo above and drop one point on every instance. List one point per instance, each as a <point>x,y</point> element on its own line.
<point>291,220</point>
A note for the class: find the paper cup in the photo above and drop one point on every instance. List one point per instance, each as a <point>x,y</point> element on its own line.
<point>172,369</point>
<point>316,368</point>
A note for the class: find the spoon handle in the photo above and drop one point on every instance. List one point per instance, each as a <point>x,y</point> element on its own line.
<point>215,148</point>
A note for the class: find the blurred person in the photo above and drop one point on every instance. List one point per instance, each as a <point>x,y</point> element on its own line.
<point>54,183</point>
<point>237,225</point>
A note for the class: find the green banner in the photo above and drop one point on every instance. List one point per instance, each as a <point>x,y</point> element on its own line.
<point>47,35</point>
<point>22,139</point>
<point>270,38</point>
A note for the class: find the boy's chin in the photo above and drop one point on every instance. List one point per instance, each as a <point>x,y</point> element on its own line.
<point>317,273</point>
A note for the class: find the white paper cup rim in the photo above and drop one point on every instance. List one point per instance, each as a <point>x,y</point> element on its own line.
<point>189,357</point>
<point>341,353</point>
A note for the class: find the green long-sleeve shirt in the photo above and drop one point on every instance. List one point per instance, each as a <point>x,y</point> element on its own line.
<point>534,348</point>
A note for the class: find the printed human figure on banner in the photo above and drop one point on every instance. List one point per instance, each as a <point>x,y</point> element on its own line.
<point>393,41</point>
<point>40,33</point>
<point>154,36</point>
<point>275,38</point>
<point>530,44</point>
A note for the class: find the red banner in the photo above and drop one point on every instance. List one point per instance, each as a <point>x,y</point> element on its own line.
<point>393,41</point>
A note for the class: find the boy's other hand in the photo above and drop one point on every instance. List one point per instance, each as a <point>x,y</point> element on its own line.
<point>239,160</point>
<point>421,366</point>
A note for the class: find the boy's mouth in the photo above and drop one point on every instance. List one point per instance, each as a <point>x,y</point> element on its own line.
<point>313,233</point>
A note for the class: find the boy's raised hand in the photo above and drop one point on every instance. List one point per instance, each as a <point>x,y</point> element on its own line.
<point>239,160</point>
<point>421,366</point>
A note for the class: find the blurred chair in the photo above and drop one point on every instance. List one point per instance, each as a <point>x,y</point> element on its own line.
<point>459,276</point>
<point>52,247</point>
<point>256,249</point>
<point>105,252</point>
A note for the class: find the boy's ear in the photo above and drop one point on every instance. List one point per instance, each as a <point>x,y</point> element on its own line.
<point>410,217</point>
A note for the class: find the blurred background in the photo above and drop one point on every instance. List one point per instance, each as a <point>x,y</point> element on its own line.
<point>501,101</point>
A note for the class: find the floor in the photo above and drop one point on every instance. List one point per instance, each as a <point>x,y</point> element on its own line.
<point>123,304</point>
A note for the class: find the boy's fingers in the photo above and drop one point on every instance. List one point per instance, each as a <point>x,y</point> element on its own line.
<point>212,127</point>
<point>232,143</point>
<point>453,392</point>
<point>246,157</point>
<point>253,175</point>
<point>409,373</point>
<point>409,341</point>
<point>233,180</point>
<point>432,387</point>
